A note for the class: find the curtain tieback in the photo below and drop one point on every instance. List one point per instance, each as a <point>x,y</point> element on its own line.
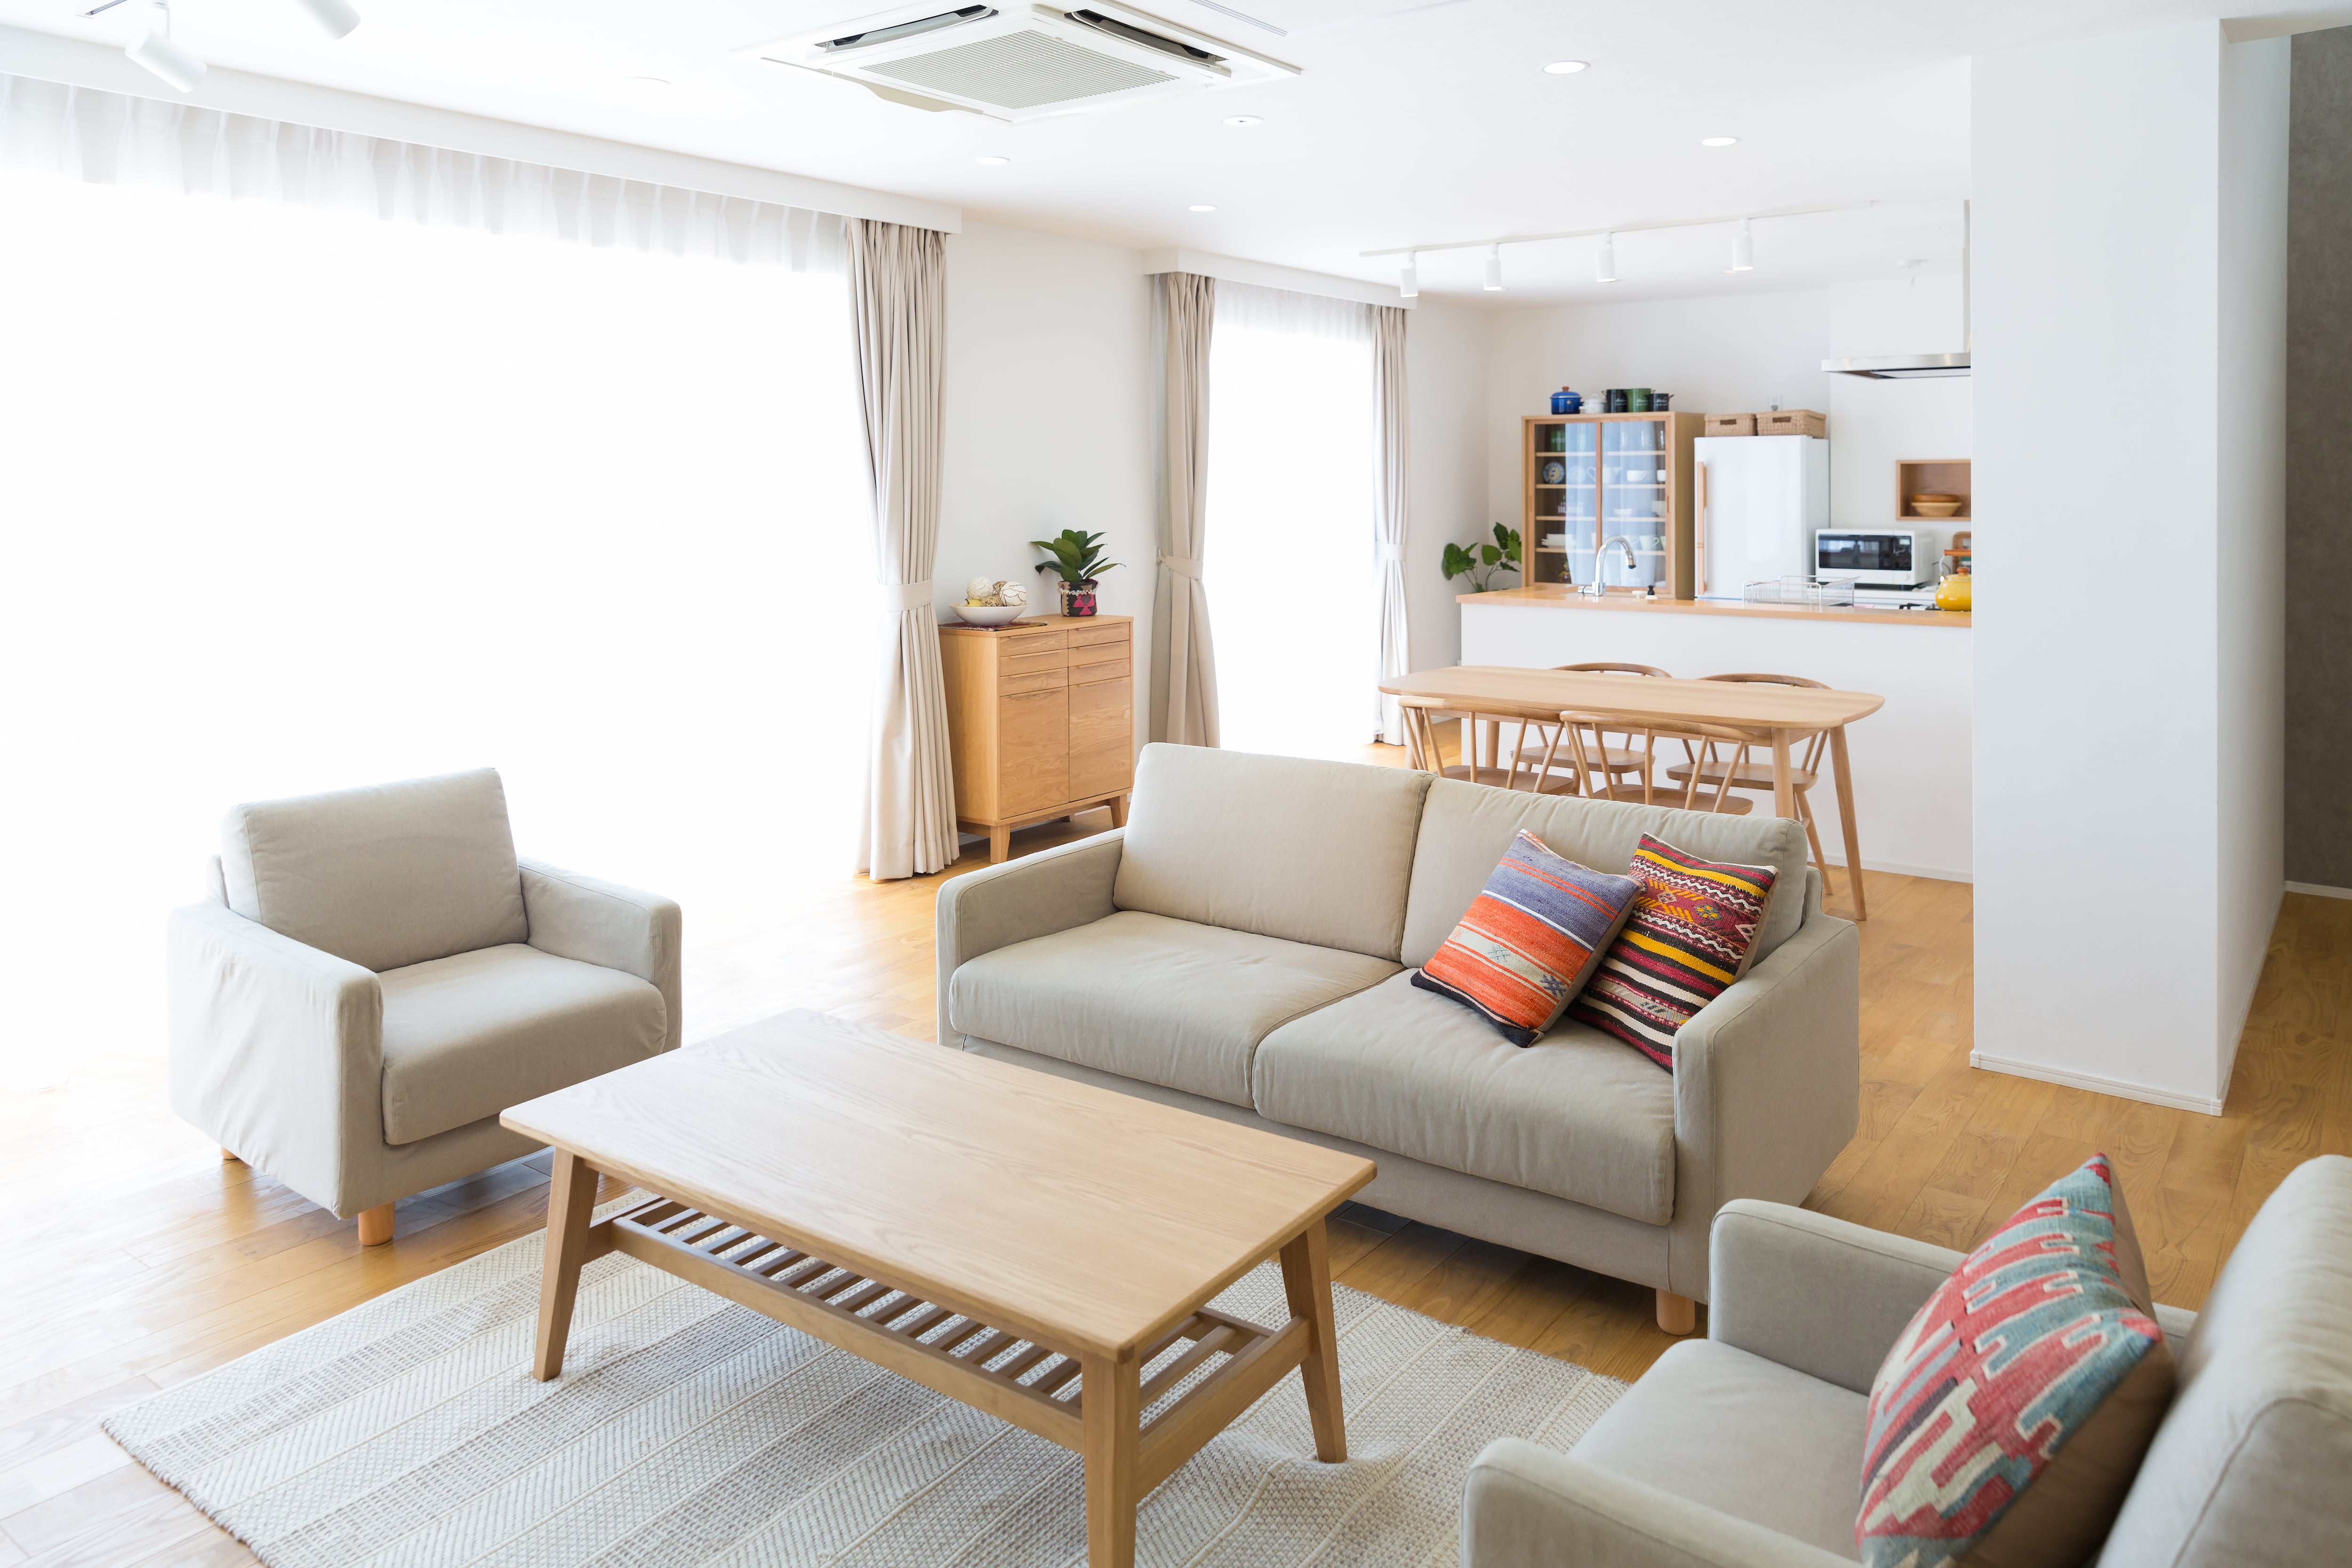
<point>1181,566</point>
<point>897,598</point>
<point>1385,552</point>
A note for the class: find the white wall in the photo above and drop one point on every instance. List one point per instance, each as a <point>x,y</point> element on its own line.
<point>1875,425</point>
<point>2113,915</point>
<point>1048,415</point>
<point>1445,360</point>
<point>2251,751</point>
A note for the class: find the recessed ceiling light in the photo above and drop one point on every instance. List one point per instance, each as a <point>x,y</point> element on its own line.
<point>1201,207</point>
<point>645,87</point>
<point>1565,67</point>
<point>1719,141</point>
<point>992,160</point>
<point>1244,119</point>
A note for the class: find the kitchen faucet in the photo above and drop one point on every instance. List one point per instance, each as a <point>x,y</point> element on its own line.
<point>1599,585</point>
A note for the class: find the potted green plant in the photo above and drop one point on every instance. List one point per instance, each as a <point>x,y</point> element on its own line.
<point>1077,561</point>
<point>1480,568</point>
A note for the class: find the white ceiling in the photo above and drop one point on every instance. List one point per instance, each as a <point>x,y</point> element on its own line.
<point>1429,124</point>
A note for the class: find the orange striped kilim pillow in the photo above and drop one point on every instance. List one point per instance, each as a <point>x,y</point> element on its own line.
<point>1692,932</point>
<point>1530,939</point>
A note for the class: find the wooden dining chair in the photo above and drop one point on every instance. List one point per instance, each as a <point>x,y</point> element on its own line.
<point>1595,754</point>
<point>1422,716</point>
<point>1739,773</point>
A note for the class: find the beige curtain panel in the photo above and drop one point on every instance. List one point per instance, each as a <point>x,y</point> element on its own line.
<point>1389,407</point>
<point>897,296</point>
<point>1183,665</point>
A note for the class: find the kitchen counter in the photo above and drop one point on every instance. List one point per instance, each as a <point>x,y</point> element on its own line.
<point>1911,759</point>
<point>1634,603</point>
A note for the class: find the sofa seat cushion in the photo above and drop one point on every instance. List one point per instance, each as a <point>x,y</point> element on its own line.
<point>466,1035</point>
<point>1742,1435</point>
<point>1165,1001</point>
<point>1575,1114</point>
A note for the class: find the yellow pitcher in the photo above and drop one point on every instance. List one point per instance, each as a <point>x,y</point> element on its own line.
<point>1955,592</point>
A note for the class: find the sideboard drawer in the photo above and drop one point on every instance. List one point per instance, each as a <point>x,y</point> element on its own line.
<point>1034,681</point>
<point>1025,661</point>
<point>1091,636</point>
<point>1088,666</point>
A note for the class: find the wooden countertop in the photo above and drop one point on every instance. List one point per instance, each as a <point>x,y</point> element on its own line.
<point>1634,603</point>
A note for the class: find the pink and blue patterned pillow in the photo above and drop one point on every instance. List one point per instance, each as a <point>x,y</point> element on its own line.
<point>1530,939</point>
<point>2008,1420</point>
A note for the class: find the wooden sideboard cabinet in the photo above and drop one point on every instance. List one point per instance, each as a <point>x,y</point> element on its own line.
<point>1041,721</point>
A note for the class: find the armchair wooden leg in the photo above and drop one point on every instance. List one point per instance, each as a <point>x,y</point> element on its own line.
<point>229,1156</point>
<point>375,1229</point>
<point>1676,1314</point>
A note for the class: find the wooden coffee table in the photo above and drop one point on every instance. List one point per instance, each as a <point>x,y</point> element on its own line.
<point>1041,1249</point>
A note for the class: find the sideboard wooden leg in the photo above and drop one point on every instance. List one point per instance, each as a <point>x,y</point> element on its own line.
<point>1118,811</point>
<point>999,844</point>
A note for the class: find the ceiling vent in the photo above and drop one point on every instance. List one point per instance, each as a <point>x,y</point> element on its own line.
<point>1020,62</point>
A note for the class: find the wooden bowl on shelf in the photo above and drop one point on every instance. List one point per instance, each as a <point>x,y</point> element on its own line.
<point>1935,506</point>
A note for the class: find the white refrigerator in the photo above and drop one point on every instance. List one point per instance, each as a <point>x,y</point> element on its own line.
<point>1759,499</point>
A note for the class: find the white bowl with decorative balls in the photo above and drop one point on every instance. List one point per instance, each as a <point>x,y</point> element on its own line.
<point>990,614</point>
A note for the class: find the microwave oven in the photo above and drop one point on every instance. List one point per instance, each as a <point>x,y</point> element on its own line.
<point>1889,557</point>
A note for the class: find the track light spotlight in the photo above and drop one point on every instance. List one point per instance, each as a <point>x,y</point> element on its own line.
<point>1494,268</point>
<point>1408,285</point>
<point>1604,265</point>
<point>154,49</point>
<point>335,17</point>
<point>1743,250</point>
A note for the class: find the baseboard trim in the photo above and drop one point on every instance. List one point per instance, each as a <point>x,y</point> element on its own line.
<point>2320,890</point>
<point>1933,872</point>
<point>2097,1084</point>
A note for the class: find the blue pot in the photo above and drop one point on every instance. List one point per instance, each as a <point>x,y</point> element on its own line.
<point>1567,402</point>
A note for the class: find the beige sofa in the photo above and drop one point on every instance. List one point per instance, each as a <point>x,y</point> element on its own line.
<point>376,977</point>
<point>1744,1448</point>
<point>1244,947</point>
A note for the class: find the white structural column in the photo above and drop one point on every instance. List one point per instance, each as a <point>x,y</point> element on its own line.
<point>2130,226</point>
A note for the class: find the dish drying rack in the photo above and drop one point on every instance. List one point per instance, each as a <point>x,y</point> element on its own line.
<point>1806,590</point>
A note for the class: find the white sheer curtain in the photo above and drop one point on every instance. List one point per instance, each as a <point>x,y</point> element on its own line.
<point>1290,559</point>
<point>296,499</point>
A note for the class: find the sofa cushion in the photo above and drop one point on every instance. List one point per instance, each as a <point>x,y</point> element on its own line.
<point>1171,1002</point>
<point>384,876</point>
<point>1575,1114</point>
<point>2011,1413</point>
<point>2248,1469</point>
<point>466,1037</point>
<point>1691,933</point>
<point>1741,1435</point>
<point>1309,851</point>
<point>1465,827</point>
<point>1530,940</point>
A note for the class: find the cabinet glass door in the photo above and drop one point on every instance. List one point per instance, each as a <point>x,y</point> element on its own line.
<point>1632,496</point>
<point>1558,546</point>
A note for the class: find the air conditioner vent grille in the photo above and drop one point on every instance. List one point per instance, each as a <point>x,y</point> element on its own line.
<point>1019,70</point>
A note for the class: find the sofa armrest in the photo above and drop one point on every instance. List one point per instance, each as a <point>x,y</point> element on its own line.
<point>612,926</point>
<point>1767,1086</point>
<point>1528,1507</point>
<point>1036,895</point>
<point>277,1049</point>
<point>1819,1296</point>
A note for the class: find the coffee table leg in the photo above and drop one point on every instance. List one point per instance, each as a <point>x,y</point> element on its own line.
<point>1111,1403</point>
<point>1306,1280</point>
<point>571,1200</point>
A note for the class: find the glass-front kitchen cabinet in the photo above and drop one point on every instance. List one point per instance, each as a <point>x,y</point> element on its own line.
<point>1593,477</point>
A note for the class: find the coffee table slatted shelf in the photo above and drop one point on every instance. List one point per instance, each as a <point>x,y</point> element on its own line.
<point>1034,1386</point>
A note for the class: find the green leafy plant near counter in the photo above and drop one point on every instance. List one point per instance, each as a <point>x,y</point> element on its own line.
<point>1480,565</point>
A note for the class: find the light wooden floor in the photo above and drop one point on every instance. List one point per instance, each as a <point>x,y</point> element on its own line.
<point>133,1259</point>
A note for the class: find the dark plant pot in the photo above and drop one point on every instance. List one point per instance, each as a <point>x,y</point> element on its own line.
<point>1078,597</point>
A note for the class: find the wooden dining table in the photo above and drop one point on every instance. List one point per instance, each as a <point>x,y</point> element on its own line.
<point>1776,716</point>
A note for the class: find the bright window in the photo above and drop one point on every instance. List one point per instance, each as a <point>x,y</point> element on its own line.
<point>295,500</point>
<point>1293,608</point>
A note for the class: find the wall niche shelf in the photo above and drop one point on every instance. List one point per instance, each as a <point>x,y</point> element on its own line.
<point>1932,477</point>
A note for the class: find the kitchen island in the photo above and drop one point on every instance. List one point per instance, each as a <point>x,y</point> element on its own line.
<point>1910,762</point>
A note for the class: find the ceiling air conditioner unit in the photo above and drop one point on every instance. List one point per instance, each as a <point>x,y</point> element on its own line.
<point>1021,62</point>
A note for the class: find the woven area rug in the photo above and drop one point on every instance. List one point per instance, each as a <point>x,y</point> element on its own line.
<point>687,1430</point>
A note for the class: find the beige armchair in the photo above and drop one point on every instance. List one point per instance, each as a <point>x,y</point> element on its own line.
<point>1744,1449</point>
<point>376,977</point>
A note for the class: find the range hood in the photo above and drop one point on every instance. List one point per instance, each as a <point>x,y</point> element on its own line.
<point>1919,366</point>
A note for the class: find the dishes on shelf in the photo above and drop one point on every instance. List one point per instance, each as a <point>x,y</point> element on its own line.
<point>1937,506</point>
